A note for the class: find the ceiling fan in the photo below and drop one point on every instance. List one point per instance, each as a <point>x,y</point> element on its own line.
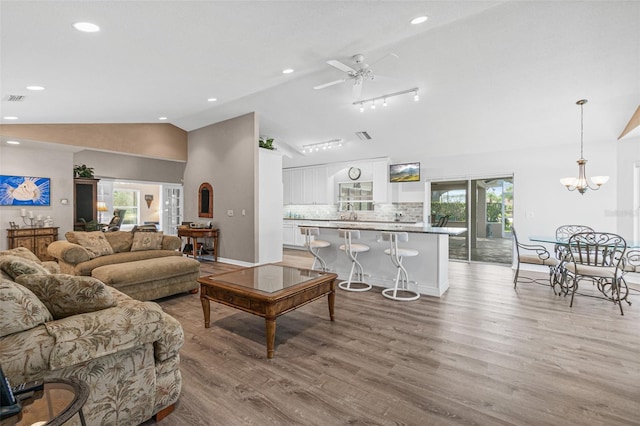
<point>358,74</point>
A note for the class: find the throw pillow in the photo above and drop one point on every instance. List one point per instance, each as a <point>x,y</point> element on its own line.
<point>22,252</point>
<point>20,309</point>
<point>71,237</point>
<point>15,266</point>
<point>120,241</point>
<point>95,243</point>
<point>66,295</point>
<point>147,241</point>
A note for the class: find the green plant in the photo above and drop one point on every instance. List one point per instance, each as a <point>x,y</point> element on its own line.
<point>83,171</point>
<point>266,143</point>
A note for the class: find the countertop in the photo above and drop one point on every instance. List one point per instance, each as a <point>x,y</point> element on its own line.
<point>415,227</point>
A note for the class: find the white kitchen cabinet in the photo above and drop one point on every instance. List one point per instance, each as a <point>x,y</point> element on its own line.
<point>288,238</point>
<point>315,181</point>
<point>291,235</point>
<point>297,187</point>
<point>287,186</point>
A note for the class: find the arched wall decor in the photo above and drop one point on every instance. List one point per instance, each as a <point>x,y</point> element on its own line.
<point>205,200</point>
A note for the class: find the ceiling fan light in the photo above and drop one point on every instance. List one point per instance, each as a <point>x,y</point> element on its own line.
<point>373,105</point>
<point>384,102</point>
<point>361,107</point>
<point>415,96</point>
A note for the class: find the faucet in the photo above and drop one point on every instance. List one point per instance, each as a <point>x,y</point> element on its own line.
<point>352,214</point>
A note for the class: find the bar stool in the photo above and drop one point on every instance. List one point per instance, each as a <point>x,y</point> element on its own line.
<point>312,243</point>
<point>352,251</point>
<point>402,278</point>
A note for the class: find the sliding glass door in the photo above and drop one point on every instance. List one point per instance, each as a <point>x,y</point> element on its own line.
<point>491,219</point>
<point>484,207</point>
<point>449,208</point>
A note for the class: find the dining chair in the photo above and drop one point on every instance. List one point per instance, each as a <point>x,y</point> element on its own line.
<point>561,250</point>
<point>563,233</point>
<point>534,254</point>
<point>598,257</point>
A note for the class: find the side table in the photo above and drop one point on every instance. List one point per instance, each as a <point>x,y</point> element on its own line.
<point>61,399</point>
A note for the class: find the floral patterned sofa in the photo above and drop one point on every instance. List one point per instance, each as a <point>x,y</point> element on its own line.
<point>143,265</point>
<point>58,325</point>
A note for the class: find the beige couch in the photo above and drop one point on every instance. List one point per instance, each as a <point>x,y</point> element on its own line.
<point>143,265</point>
<point>58,325</point>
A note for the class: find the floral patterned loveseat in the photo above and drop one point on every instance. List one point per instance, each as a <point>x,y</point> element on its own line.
<point>58,325</point>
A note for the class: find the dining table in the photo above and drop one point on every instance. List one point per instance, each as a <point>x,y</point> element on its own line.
<point>559,279</point>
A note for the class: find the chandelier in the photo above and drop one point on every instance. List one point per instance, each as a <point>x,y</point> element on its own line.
<point>582,183</point>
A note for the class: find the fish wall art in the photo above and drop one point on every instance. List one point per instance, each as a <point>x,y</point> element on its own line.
<point>24,191</point>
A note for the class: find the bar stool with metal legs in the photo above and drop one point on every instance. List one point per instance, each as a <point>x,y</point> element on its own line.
<point>312,243</point>
<point>352,249</point>
<point>401,290</point>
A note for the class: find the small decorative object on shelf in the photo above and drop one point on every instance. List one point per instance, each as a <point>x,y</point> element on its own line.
<point>48,222</point>
<point>83,171</point>
<point>266,143</point>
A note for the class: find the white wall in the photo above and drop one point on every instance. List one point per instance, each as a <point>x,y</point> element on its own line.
<point>628,157</point>
<point>55,164</point>
<point>269,206</point>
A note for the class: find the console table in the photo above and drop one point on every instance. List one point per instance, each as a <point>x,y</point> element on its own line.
<point>196,233</point>
<point>35,239</point>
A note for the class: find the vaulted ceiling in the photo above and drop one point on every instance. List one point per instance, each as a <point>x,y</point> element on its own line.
<point>492,75</point>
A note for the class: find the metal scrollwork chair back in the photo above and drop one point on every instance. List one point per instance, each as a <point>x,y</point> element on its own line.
<point>563,233</point>
<point>633,261</point>
<point>600,258</point>
<point>535,254</point>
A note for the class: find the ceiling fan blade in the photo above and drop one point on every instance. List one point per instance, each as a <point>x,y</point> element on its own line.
<point>341,66</point>
<point>387,56</point>
<point>331,83</point>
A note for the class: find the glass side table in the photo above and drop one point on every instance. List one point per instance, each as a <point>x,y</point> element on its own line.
<point>61,400</point>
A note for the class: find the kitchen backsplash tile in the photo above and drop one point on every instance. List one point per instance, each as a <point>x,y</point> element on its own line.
<point>407,212</point>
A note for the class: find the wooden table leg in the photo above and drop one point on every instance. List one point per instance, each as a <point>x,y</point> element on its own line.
<point>206,308</point>
<point>271,336</point>
<point>195,246</point>
<point>331,297</point>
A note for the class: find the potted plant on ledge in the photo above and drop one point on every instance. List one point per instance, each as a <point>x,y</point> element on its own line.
<point>83,172</point>
<point>266,143</point>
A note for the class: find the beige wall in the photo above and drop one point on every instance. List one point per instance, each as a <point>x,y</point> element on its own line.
<point>225,154</point>
<point>130,167</point>
<point>163,141</point>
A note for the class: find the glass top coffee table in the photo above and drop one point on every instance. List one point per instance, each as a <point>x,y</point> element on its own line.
<point>267,291</point>
<point>54,405</point>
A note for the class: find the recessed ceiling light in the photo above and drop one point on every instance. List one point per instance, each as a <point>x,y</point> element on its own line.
<point>13,142</point>
<point>287,71</point>
<point>35,88</point>
<point>86,27</point>
<point>212,99</point>
<point>10,117</point>
<point>419,20</point>
<point>162,118</point>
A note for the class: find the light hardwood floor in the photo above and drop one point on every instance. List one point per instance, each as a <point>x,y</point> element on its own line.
<point>483,354</point>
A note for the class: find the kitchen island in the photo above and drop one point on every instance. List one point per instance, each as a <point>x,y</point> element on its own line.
<point>428,272</point>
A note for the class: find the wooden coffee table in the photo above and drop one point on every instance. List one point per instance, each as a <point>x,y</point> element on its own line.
<point>267,291</point>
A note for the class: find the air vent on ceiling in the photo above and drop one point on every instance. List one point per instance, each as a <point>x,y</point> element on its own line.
<point>363,136</point>
<point>16,98</point>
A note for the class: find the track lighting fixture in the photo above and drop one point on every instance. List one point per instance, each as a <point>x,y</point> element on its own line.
<point>384,98</point>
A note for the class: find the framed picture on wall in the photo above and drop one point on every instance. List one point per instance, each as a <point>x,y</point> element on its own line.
<point>25,191</point>
<point>407,172</point>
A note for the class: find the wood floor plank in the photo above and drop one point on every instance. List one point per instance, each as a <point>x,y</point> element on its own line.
<point>483,354</point>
